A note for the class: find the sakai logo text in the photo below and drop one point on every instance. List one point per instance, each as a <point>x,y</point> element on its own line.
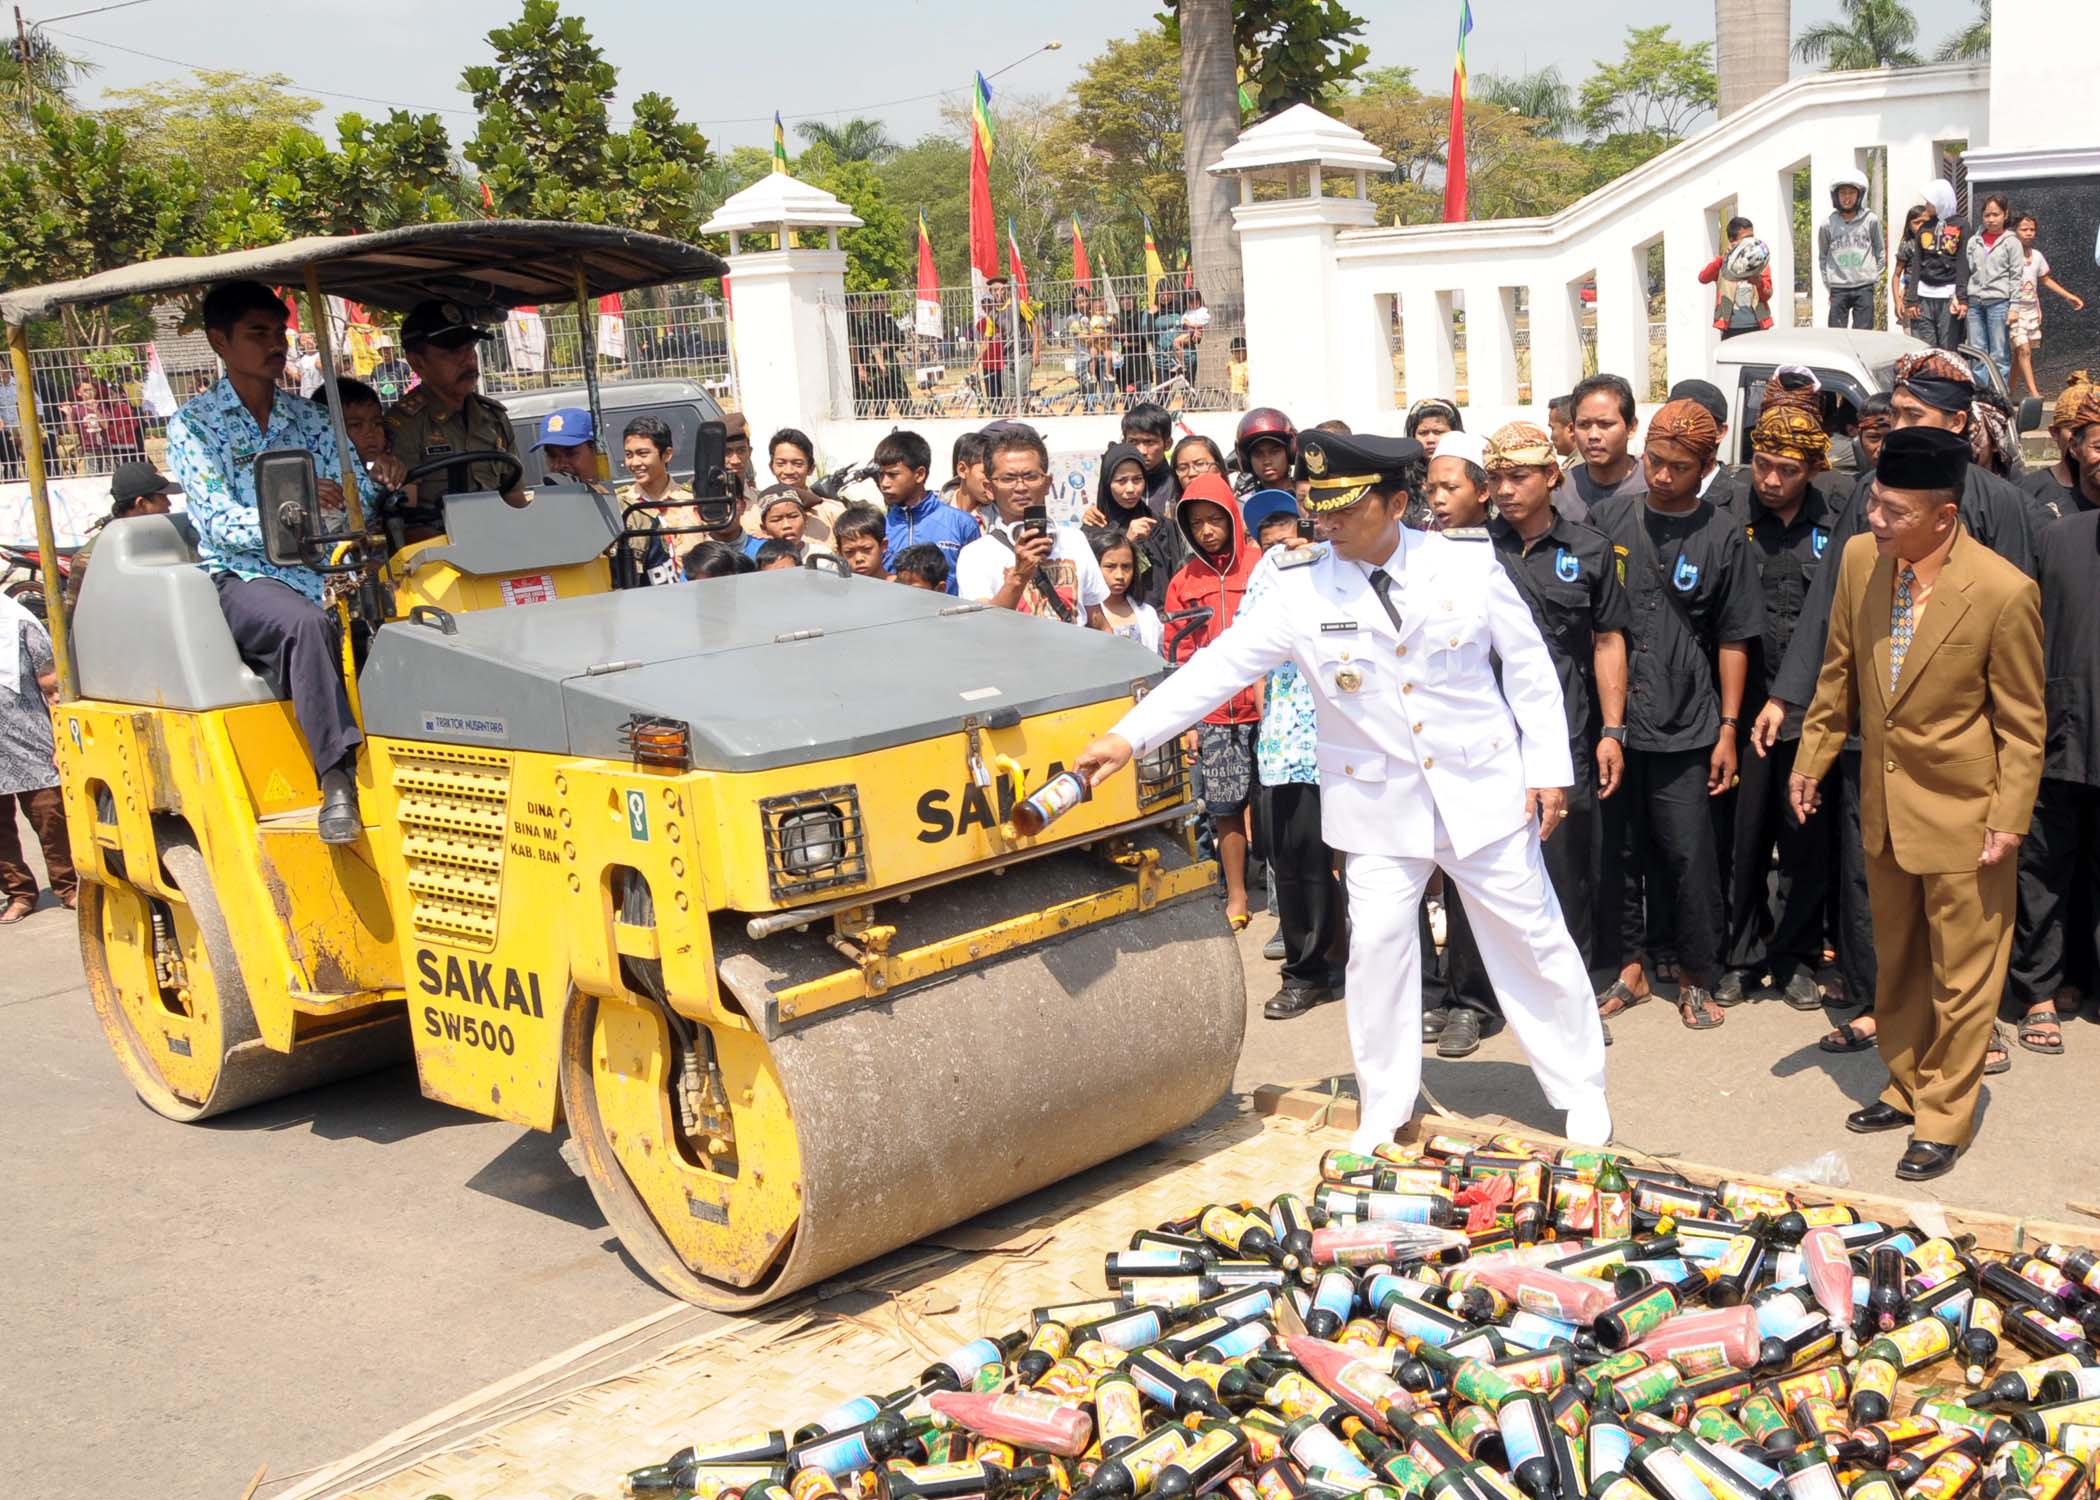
<point>471,981</point>
<point>943,816</point>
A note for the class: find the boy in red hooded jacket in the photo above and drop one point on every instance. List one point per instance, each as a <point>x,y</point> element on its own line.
<point>1221,559</point>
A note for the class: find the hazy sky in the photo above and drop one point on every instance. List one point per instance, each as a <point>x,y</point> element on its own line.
<point>730,65</point>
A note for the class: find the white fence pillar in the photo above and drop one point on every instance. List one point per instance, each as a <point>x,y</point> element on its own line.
<point>1556,339</point>
<point>1622,315</point>
<point>1298,356</point>
<point>792,366</point>
<point>1491,350</point>
<point>1689,338</point>
<point>1426,343</point>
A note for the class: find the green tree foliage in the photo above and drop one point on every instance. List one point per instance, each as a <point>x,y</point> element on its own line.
<point>1660,87</point>
<point>379,176</point>
<point>1119,146</point>
<point>850,140</point>
<point>83,199</point>
<point>1373,82</point>
<point>218,122</point>
<point>1513,168</point>
<point>933,176</point>
<point>1541,95</point>
<point>1871,34</point>
<point>1290,51</point>
<point>1973,42</point>
<point>546,149</point>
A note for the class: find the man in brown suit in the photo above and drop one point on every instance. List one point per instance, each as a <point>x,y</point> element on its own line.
<point>1935,660</point>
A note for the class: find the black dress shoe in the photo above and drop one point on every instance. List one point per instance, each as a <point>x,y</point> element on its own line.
<point>1730,990</point>
<point>1295,1000</point>
<point>1461,1036</point>
<point>1434,1022</point>
<point>338,821</point>
<point>1926,1159</point>
<point>1875,1117</point>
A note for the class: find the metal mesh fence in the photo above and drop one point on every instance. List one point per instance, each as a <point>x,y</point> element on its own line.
<point>1073,347</point>
<point>94,407</point>
<point>686,340</point>
<point>97,409</point>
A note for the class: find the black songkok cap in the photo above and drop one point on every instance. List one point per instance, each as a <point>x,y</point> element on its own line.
<point>1923,458</point>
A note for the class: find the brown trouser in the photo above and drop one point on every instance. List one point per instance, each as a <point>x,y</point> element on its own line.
<point>1943,942</point>
<point>46,811</point>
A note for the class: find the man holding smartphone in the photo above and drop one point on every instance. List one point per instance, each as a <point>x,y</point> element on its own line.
<point>1023,562</point>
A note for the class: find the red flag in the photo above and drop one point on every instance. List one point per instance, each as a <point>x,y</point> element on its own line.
<point>1455,153</point>
<point>984,233</point>
<point>1018,272</point>
<point>1082,269</point>
<point>926,312</point>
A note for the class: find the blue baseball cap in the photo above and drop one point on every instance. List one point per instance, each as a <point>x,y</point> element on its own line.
<point>570,427</point>
<point>1266,505</point>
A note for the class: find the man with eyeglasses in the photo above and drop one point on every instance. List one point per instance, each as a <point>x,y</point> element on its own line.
<point>446,413</point>
<point>1023,562</point>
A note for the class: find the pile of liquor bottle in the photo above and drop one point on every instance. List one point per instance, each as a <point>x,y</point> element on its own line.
<point>1458,1321</point>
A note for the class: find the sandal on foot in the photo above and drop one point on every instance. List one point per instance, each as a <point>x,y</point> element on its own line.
<point>1847,1038</point>
<point>2001,1049</point>
<point>1617,998</point>
<point>1696,1008</point>
<point>18,907</point>
<point>2040,1031</point>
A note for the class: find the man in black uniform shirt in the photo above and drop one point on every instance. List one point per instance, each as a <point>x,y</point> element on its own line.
<point>1724,485</point>
<point>1564,573</point>
<point>1695,608</point>
<point>2061,852</point>
<point>1932,389</point>
<point>1787,524</point>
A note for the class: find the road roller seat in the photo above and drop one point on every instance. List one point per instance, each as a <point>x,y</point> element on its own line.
<point>148,627</point>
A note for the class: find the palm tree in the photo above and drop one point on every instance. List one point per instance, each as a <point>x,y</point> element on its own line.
<point>1210,121</point>
<point>1873,34</point>
<point>33,71</point>
<point>856,139</point>
<point>1541,95</point>
<point>1973,42</point>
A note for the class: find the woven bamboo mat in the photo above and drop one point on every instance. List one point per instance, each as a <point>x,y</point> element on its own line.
<point>573,1426</point>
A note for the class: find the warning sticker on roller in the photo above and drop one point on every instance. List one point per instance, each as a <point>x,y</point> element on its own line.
<point>528,588</point>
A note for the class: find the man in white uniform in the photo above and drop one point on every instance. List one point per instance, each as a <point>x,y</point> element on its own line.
<point>1425,760</point>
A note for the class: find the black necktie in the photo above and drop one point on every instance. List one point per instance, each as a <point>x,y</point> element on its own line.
<point>1382,586</point>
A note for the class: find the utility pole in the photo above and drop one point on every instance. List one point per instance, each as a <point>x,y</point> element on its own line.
<point>22,62</point>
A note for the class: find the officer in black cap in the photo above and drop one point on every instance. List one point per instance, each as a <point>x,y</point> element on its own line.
<point>446,413</point>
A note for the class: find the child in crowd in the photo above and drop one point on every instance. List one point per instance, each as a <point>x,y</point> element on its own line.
<point>1931,261</point>
<point>921,566</point>
<point>1236,373</point>
<point>2026,308</point>
<point>1850,250</point>
<point>1127,616</point>
<point>861,535</point>
<point>1147,428</point>
<point>364,420</point>
<point>1120,508</point>
<point>1995,262</point>
<point>1215,577</point>
<point>713,559</point>
<point>781,516</point>
<point>777,553</point>
<point>1742,303</point>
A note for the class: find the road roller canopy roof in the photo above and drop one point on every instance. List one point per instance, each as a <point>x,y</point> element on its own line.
<point>769,670</point>
<point>493,263</point>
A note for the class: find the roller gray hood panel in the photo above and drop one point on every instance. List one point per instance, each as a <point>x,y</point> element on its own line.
<point>769,669</point>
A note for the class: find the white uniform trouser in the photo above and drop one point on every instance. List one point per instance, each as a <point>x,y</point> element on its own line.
<point>1534,965</point>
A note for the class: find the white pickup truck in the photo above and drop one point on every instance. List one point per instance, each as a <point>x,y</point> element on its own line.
<point>1853,364</point>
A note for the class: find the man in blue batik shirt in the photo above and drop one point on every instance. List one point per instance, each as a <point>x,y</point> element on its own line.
<point>275,613</point>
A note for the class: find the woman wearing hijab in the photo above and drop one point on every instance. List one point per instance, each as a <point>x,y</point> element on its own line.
<point>1119,504</point>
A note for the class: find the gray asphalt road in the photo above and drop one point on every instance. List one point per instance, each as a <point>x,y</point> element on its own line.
<point>288,1284</point>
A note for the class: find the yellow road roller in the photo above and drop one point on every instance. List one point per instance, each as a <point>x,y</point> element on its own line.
<point>722,876</point>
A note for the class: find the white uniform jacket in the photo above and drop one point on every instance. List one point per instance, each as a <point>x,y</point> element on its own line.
<point>1412,724</point>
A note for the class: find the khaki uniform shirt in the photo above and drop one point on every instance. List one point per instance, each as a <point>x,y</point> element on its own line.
<point>420,432</point>
<point>680,543</point>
